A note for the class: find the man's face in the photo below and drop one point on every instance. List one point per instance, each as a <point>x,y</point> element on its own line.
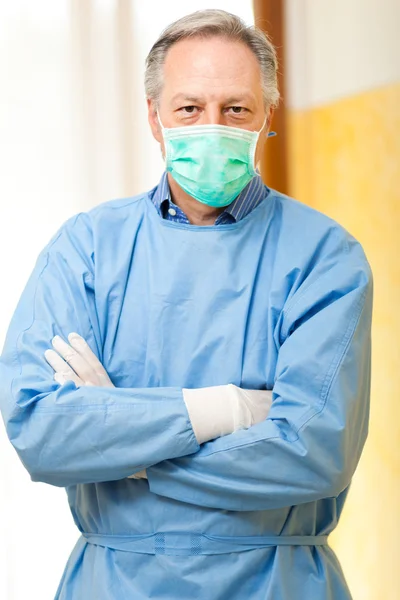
<point>211,81</point>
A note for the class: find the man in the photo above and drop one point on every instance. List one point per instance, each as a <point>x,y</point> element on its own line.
<point>171,315</point>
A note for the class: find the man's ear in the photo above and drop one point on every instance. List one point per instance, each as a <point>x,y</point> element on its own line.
<point>153,120</point>
<point>269,120</point>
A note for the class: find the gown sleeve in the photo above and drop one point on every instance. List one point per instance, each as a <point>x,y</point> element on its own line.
<point>309,445</point>
<point>67,435</point>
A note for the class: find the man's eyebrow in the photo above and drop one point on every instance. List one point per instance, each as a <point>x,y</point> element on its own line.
<point>197,99</point>
<point>239,99</point>
<point>186,98</point>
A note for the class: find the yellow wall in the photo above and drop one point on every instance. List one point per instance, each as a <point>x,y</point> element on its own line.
<point>345,161</point>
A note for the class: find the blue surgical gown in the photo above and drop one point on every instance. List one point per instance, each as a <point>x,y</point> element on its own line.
<point>280,300</point>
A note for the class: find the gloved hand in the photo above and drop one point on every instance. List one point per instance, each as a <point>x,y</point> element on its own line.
<point>86,367</point>
<point>138,475</point>
<point>223,409</point>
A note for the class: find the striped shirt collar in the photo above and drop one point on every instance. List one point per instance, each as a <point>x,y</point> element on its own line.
<point>250,197</point>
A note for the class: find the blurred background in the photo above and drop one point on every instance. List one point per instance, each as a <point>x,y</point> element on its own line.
<point>74,133</point>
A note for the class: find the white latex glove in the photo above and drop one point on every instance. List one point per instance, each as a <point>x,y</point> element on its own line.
<point>76,362</point>
<point>223,409</point>
<point>138,475</point>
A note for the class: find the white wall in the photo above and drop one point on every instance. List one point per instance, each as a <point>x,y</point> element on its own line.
<point>336,49</point>
<point>68,140</point>
<point>38,191</point>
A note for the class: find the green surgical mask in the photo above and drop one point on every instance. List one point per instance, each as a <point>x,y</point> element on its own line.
<point>212,163</point>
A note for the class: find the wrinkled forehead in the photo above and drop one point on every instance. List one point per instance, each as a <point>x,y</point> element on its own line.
<point>212,68</point>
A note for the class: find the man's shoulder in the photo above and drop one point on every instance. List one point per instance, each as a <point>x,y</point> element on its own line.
<point>119,206</point>
<point>301,221</point>
<point>295,213</point>
<point>109,213</point>
<point>81,228</point>
<point>311,236</point>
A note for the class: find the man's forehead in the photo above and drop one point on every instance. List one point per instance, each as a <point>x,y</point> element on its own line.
<point>200,71</point>
<point>210,57</point>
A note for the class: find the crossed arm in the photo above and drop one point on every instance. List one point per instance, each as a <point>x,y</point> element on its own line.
<point>213,412</point>
<point>306,449</point>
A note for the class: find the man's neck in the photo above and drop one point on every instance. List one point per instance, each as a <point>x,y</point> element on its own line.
<point>197,212</point>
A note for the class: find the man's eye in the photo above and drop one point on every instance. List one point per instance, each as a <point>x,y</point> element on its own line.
<point>188,109</point>
<point>237,110</point>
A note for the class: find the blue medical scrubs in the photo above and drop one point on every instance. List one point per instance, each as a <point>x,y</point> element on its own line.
<point>279,300</point>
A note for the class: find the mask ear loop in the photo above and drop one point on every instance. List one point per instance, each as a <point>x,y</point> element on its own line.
<point>165,153</point>
<point>256,170</point>
<point>159,122</point>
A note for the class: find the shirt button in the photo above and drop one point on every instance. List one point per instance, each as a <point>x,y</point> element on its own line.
<point>172,212</point>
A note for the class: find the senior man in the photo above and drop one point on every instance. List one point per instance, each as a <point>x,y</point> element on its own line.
<point>174,316</point>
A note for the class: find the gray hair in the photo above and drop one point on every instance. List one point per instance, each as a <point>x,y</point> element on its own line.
<point>210,23</point>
